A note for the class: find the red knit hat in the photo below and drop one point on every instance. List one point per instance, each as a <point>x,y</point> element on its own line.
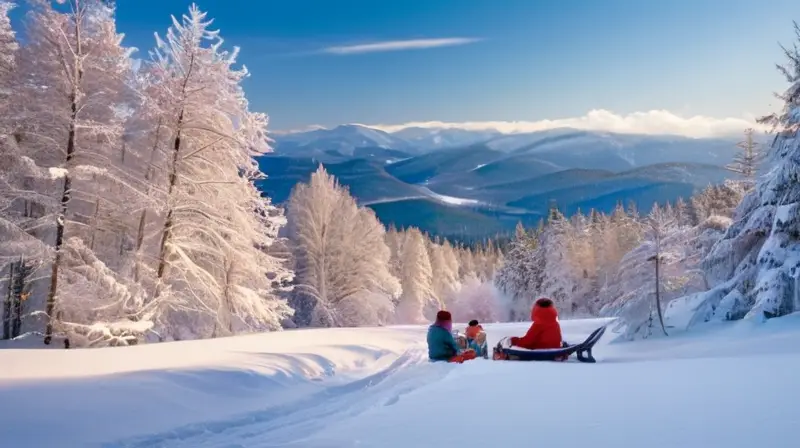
<point>444,316</point>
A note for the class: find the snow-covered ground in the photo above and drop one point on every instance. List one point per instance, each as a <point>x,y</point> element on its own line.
<point>728,385</point>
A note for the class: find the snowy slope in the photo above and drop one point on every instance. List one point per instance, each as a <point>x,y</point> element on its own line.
<point>374,388</point>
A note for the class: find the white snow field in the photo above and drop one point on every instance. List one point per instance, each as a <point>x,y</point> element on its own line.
<point>725,385</point>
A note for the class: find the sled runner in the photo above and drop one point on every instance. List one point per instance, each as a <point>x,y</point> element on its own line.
<point>583,350</point>
<point>478,344</point>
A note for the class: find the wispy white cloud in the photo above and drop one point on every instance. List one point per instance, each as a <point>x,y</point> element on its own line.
<point>313,127</point>
<point>653,122</point>
<point>398,45</point>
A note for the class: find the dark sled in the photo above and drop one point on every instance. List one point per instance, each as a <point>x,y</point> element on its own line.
<point>583,351</point>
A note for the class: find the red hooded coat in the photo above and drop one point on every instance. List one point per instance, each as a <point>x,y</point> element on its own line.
<point>545,332</point>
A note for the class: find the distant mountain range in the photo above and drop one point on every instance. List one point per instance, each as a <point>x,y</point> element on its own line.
<point>471,184</point>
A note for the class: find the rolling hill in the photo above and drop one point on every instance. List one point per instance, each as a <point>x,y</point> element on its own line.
<point>417,177</point>
<point>366,180</point>
<point>437,218</point>
<point>428,167</point>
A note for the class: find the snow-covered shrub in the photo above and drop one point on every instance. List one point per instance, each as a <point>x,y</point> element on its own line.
<point>477,300</point>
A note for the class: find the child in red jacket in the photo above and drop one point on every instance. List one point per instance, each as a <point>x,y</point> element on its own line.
<point>545,332</point>
<point>473,329</point>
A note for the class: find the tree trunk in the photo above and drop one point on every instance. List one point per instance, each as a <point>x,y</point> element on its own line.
<point>658,295</point>
<point>19,296</point>
<point>94,222</point>
<point>143,217</point>
<point>226,294</point>
<point>168,223</point>
<point>7,303</point>
<point>166,235</point>
<point>60,223</point>
<point>65,192</point>
<point>139,241</point>
<point>322,277</point>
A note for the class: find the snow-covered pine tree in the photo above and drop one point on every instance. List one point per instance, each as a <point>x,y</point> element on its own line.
<point>681,212</point>
<point>717,200</point>
<point>559,277</point>
<point>747,160</point>
<point>451,261</point>
<point>444,277</point>
<point>582,259</point>
<point>417,281</point>
<point>466,263</point>
<point>341,258</point>
<point>211,261</point>
<point>754,270</point>
<point>513,276</point>
<point>394,240</point>
<point>493,259</point>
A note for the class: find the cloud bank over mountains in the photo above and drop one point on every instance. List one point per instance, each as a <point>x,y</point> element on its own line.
<point>653,122</point>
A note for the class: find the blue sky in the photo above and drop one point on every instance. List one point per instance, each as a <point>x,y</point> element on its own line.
<point>530,59</point>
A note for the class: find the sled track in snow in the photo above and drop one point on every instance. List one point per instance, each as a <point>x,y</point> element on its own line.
<point>286,425</point>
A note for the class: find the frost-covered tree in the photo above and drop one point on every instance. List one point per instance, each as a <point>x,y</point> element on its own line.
<point>490,261</point>
<point>560,277</point>
<point>211,262</point>
<point>659,223</point>
<point>394,240</point>
<point>515,277</point>
<point>444,273</point>
<point>450,259</point>
<point>66,97</point>
<point>717,200</point>
<point>131,193</point>
<point>748,158</point>
<point>681,212</point>
<point>341,258</point>
<point>466,263</point>
<point>418,297</point>
<point>16,166</point>
<point>636,293</point>
<point>754,270</point>
<point>8,48</point>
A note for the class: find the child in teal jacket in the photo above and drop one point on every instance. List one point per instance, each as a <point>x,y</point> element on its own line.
<point>441,344</point>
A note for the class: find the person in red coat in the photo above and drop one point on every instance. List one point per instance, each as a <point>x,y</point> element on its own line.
<point>545,332</point>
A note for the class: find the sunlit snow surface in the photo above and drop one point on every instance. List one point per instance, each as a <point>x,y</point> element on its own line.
<point>732,385</point>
